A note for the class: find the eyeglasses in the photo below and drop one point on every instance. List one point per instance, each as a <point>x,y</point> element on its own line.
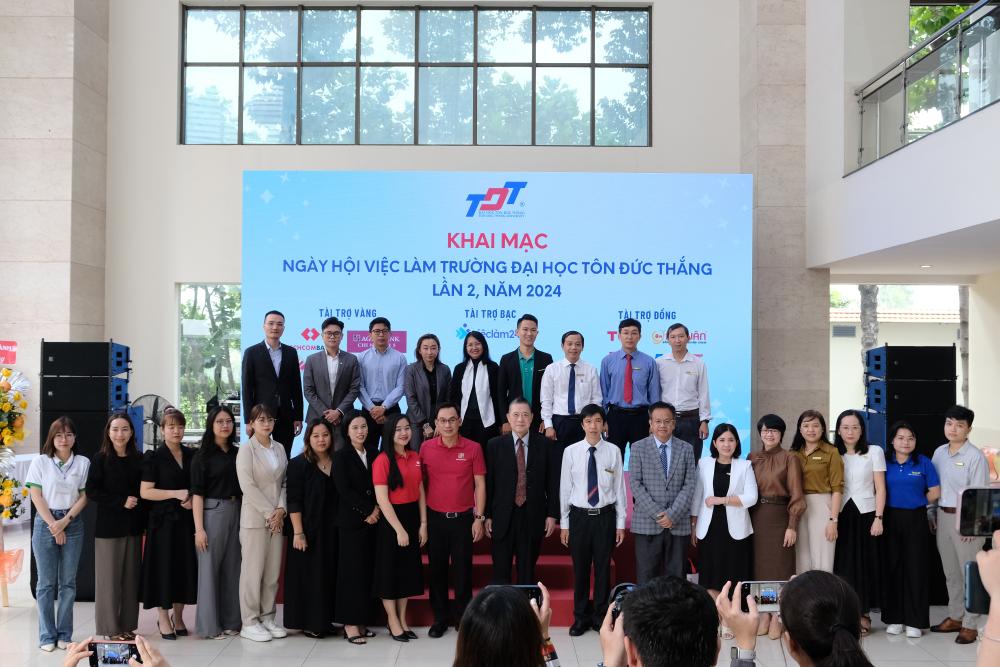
<point>64,434</point>
<point>770,431</point>
<point>265,420</point>
<point>379,332</point>
<point>223,422</point>
<point>449,420</point>
<point>332,334</point>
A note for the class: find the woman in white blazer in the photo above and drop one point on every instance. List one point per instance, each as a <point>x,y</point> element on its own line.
<point>719,513</point>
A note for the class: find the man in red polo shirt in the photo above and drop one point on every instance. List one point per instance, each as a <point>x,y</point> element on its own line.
<point>455,479</point>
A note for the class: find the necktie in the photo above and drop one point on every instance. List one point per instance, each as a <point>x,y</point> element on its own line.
<point>593,495</point>
<point>521,491</point>
<point>665,461</point>
<point>628,378</point>
<point>571,396</point>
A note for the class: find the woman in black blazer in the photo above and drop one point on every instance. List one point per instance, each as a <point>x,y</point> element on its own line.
<point>357,514</point>
<point>477,397</point>
<point>311,563</point>
<point>426,384</point>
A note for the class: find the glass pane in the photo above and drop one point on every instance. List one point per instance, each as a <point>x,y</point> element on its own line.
<point>445,105</point>
<point>622,37</point>
<point>269,105</point>
<point>981,63</point>
<point>213,36</point>
<point>505,36</point>
<point>271,36</point>
<point>211,95</point>
<point>328,105</point>
<point>931,91</point>
<point>387,105</point>
<point>890,116</point>
<point>563,37</point>
<point>387,35</point>
<point>622,108</point>
<point>209,349</point>
<point>329,35</point>
<point>562,113</point>
<point>445,36</point>
<point>504,106</point>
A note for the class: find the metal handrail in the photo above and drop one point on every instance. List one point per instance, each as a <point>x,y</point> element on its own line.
<point>922,45</point>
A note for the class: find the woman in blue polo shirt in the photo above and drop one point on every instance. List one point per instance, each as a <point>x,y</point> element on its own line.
<point>911,483</point>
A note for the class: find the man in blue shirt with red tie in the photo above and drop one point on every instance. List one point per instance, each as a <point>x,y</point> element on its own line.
<point>630,383</point>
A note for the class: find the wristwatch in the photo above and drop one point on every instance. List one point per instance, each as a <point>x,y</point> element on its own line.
<point>737,653</point>
<point>479,517</point>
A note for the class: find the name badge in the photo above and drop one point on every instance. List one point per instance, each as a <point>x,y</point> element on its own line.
<point>817,458</point>
<point>461,456</point>
<point>916,473</point>
<point>610,471</point>
<point>959,463</point>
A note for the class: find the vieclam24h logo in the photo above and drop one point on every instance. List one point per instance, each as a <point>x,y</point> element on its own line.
<point>497,202</point>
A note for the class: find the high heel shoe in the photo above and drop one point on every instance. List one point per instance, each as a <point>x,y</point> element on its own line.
<point>172,635</point>
<point>183,632</point>
<point>410,634</point>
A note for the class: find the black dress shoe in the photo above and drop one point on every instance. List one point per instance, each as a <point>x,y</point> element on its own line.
<point>437,630</point>
<point>401,637</point>
<point>578,629</point>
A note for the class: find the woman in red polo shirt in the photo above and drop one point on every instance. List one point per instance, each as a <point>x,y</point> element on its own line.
<point>399,489</point>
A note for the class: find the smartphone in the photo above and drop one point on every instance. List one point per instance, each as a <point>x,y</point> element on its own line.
<point>979,514</point>
<point>977,600</point>
<point>531,591</point>
<point>618,594</point>
<point>112,653</point>
<point>765,594</point>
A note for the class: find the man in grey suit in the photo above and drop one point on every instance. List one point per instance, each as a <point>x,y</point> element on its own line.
<point>331,380</point>
<point>663,476</point>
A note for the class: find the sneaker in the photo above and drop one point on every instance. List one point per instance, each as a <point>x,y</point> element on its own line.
<point>230,633</point>
<point>276,630</point>
<point>48,648</point>
<point>913,633</point>
<point>61,645</point>
<point>894,629</point>
<point>255,632</point>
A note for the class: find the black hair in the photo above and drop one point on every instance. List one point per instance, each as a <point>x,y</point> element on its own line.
<point>275,312</point>
<point>529,317</point>
<point>722,429</point>
<point>678,325</point>
<point>331,321</point>
<point>379,320</point>
<point>960,413</point>
<point>821,613</point>
<point>662,405</point>
<point>389,448</point>
<point>772,421</point>
<point>569,333</point>
<point>420,341</point>
<point>447,405</point>
<point>345,424</point>
<point>499,629</point>
<point>478,335</point>
<point>592,409</point>
<point>107,448</point>
<point>838,442</point>
<point>893,430</point>
<point>672,623</point>
<point>630,322</point>
<point>59,425</point>
<point>798,442</point>
<point>208,445</point>
<point>307,449</point>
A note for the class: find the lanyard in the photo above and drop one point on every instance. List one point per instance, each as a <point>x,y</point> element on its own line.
<point>63,472</point>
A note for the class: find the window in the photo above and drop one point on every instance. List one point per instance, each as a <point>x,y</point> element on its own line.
<point>210,353</point>
<point>407,75</point>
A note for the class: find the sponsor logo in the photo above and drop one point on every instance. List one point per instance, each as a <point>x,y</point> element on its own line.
<point>310,334</point>
<point>463,331</point>
<point>497,202</point>
<point>8,351</point>
<point>359,341</point>
<point>657,337</point>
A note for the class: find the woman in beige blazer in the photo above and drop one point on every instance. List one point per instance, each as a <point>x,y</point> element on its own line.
<point>260,466</point>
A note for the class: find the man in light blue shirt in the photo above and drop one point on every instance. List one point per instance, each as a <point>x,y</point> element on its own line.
<point>382,372</point>
<point>630,383</point>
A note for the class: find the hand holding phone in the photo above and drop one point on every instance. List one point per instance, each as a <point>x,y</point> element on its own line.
<point>765,595</point>
<point>106,653</point>
<point>979,513</point>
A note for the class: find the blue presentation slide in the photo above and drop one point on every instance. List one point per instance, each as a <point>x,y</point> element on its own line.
<point>450,252</point>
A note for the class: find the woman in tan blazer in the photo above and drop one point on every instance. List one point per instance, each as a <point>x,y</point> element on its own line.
<point>260,466</point>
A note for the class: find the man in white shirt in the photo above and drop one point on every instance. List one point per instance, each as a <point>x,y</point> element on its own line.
<point>684,384</point>
<point>592,508</point>
<point>331,380</point>
<point>567,386</point>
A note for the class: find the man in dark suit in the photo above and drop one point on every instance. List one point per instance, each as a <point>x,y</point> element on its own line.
<point>331,380</point>
<point>271,376</point>
<point>522,495</point>
<point>521,373</point>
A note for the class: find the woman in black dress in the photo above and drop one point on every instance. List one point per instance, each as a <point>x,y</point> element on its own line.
<point>476,392</point>
<point>399,489</point>
<point>357,515</point>
<point>169,563</point>
<point>722,531</point>
<point>311,562</point>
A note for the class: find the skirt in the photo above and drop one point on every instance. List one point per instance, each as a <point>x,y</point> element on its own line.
<point>355,568</point>
<point>311,580</point>
<point>169,561</point>
<point>771,560</point>
<point>398,571</point>
<point>720,557</point>
<point>858,556</point>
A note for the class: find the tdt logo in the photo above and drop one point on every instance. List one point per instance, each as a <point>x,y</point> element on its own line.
<point>495,198</point>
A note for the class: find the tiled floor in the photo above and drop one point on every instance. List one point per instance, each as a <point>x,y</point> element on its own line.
<point>19,632</point>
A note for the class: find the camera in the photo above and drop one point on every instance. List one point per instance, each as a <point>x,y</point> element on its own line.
<point>107,653</point>
<point>618,594</point>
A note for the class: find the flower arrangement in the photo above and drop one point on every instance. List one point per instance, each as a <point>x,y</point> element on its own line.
<point>13,387</point>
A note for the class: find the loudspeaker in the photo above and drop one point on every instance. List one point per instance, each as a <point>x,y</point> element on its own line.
<point>102,358</point>
<point>86,394</point>
<point>910,396</point>
<point>911,362</point>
